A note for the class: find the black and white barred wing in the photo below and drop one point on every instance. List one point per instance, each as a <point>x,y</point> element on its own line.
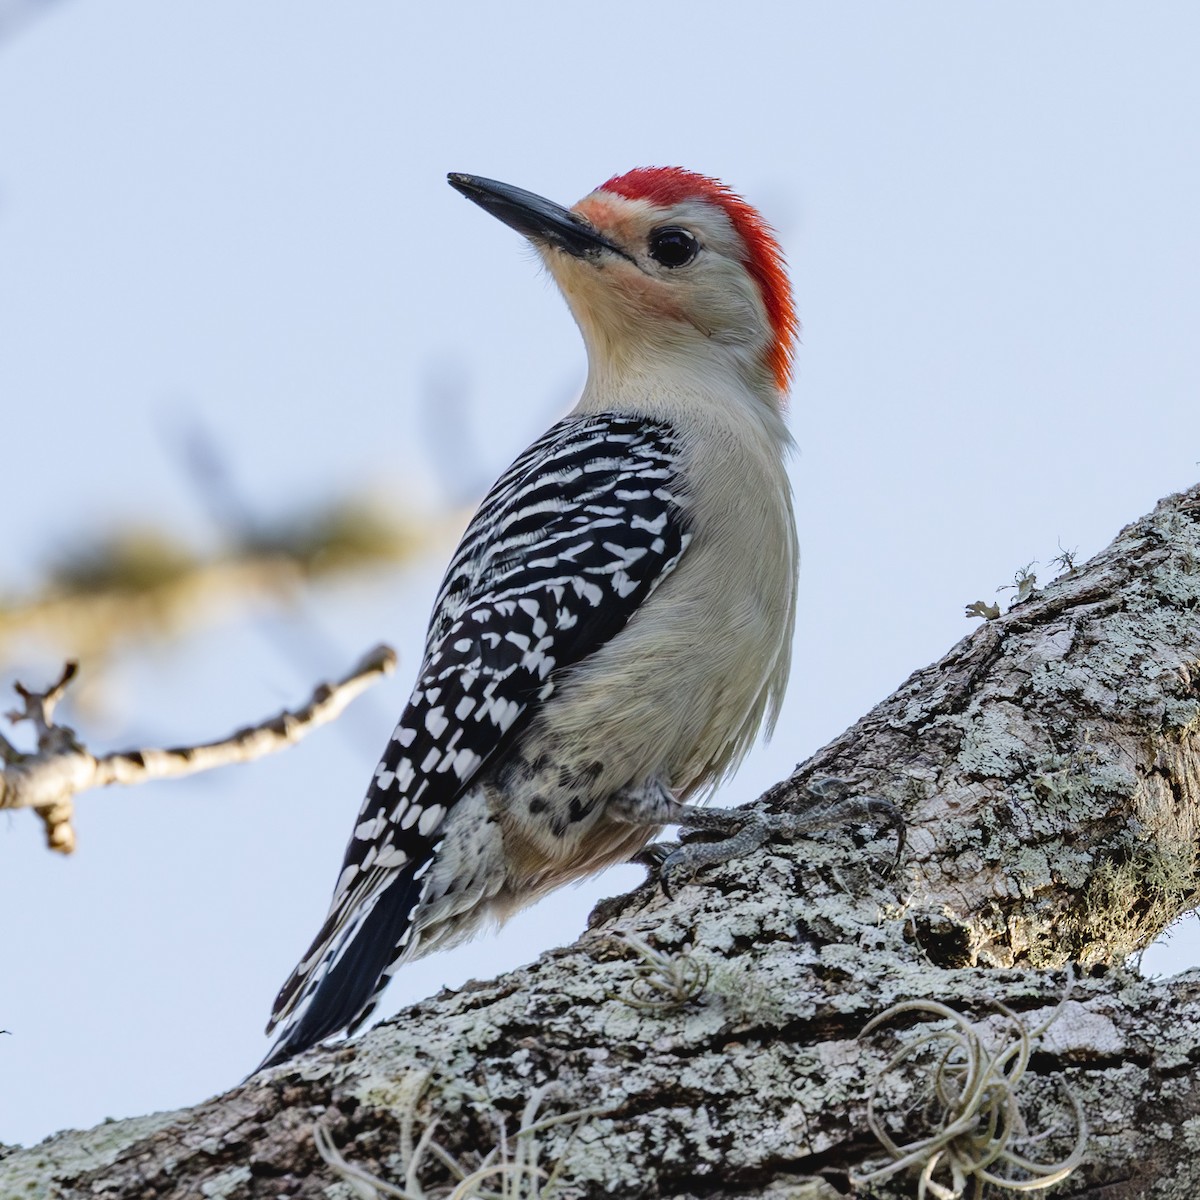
<point>566,546</point>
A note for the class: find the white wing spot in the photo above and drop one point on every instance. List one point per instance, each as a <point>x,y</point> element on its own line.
<point>369,830</point>
<point>656,526</point>
<point>391,856</point>
<point>436,721</point>
<point>465,761</point>
<point>504,712</point>
<point>430,819</point>
<point>405,773</point>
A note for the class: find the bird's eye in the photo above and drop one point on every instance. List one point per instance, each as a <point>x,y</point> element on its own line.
<point>673,247</point>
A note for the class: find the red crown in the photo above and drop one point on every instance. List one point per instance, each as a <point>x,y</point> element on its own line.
<point>764,258</point>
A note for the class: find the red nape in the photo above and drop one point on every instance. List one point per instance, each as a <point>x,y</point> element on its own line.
<point>764,257</point>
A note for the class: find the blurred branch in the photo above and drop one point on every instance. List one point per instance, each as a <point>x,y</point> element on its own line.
<point>48,780</point>
<point>136,581</point>
<point>15,15</point>
<point>303,642</point>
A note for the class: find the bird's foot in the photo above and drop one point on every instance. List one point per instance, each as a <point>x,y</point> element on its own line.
<point>740,831</point>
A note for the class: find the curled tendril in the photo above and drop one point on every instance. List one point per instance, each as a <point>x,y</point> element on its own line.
<point>512,1162</point>
<point>662,982</point>
<point>975,1108</point>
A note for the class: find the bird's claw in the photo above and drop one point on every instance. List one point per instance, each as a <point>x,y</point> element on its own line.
<point>663,861</point>
<point>745,830</point>
<point>654,855</point>
<point>669,868</point>
<point>828,789</point>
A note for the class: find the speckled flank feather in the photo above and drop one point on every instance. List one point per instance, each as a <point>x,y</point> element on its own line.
<point>764,256</point>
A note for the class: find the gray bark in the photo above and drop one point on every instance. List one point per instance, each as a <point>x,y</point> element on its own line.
<point>715,1044</point>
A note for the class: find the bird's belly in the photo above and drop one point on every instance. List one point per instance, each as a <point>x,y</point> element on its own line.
<point>680,693</point>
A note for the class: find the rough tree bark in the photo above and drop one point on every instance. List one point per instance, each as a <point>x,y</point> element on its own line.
<point>716,1044</point>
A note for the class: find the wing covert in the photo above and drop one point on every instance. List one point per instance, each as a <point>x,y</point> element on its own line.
<point>567,544</point>
<point>561,553</point>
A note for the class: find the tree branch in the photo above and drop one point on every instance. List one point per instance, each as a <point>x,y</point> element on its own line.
<point>727,1043</point>
<point>48,780</point>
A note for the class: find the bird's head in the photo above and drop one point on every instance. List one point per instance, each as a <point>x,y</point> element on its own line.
<point>662,265</point>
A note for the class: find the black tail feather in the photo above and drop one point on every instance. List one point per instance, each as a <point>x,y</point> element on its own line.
<point>346,990</point>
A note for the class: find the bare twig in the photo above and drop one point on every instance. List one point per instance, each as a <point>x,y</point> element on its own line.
<point>61,767</point>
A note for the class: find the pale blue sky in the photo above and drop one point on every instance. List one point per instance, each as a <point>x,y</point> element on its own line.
<point>990,212</point>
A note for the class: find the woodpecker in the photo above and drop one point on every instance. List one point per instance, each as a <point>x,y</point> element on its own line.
<point>615,625</point>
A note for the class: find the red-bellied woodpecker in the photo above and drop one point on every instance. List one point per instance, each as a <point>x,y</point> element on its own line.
<point>615,625</point>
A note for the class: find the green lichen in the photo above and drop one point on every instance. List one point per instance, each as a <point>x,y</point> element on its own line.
<point>1146,889</point>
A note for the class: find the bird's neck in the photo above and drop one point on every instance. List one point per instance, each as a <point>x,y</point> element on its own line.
<point>678,384</point>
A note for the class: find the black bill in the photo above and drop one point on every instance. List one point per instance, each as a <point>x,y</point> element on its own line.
<point>536,218</point>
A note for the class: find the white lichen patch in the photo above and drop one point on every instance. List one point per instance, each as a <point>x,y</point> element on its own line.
<point>997,742</point>
<point>33,1172</point>
<point>227,1184</point>
<point>1079,1032</point>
